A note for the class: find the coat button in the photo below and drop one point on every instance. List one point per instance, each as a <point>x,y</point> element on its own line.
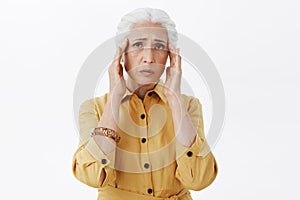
<point>143,116</point>
<point>189,154</point>
<point>146,165</point>
<point>103,161</point>
<point>150,191</point>
<point>144,140</point>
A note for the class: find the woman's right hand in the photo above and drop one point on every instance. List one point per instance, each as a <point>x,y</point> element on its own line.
<point>117,85</point>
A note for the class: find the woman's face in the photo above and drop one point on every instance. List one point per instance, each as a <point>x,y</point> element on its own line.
<point>147,52</point>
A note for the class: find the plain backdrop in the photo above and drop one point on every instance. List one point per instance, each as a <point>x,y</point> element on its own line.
<point>254,44</point>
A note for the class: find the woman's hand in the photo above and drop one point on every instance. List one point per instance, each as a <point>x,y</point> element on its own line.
<point>183,126</point>
<point>117,88</point>
<point>117,85</point>
<point>173,74</point>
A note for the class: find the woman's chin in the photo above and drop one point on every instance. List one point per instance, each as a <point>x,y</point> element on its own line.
<point>146,80</point>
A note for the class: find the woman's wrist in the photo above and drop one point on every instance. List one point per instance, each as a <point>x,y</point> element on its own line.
<point>106,132</point>
<point>185,132</point>
<point>175,100</point>
<point>114,98</point>
<point>110,115</point>
<point>106,144</point>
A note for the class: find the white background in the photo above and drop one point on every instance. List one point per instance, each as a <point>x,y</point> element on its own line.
<point>254,44</point>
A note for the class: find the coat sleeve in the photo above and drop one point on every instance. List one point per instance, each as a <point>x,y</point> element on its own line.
<point>194,171</point>
<point>89,160</point>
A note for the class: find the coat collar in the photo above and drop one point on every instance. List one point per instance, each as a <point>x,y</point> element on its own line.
<point>158,89</point>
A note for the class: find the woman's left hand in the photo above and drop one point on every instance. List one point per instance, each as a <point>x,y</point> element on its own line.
<point>173,74</point>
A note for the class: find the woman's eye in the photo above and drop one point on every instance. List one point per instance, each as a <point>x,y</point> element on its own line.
<point>159,46</point>
<point>138,44</point>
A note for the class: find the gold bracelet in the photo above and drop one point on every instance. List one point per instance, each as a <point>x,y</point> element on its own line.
<point>106,132</point>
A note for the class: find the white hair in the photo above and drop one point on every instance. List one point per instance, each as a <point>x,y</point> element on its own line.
<point>146,15</point>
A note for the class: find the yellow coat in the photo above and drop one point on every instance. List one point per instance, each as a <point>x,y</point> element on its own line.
<point>148,162</point>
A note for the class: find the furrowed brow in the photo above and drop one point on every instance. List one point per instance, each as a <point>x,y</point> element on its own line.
<point>140,39</point>
<point>159,40</point>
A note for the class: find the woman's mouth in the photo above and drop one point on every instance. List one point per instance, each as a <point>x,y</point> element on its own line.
<point>146,72</point>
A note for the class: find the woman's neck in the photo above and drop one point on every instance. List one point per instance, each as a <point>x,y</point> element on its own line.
<point>138,89</point>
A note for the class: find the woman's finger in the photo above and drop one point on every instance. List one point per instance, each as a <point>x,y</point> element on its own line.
<point>175,58</point>
<point>120,50</point>
<point>124,45</point>
<point>178,60</point>
<point>116,66</point>
<point>171,54</point>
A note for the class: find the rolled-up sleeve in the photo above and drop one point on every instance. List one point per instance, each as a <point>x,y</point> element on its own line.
<point>89,160</point>
<point>194,170</point>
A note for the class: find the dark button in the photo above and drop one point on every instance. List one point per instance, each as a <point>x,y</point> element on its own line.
<point>103,161</point>
<point>146,165</point>
<point>150,191</point>
<point>144,140</point>
<point>143,116</point>
<point>150,94</point>
<point>189,154</point>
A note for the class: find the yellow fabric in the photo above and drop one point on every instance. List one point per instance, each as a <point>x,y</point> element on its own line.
<point>172,170</point>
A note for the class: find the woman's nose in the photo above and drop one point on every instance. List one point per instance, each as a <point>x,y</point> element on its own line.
<point>148,55</point>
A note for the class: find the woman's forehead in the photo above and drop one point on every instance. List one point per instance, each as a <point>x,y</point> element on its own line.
<point>148,33</point>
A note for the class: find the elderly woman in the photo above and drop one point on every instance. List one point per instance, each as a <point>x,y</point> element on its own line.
<point>142,140</point>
